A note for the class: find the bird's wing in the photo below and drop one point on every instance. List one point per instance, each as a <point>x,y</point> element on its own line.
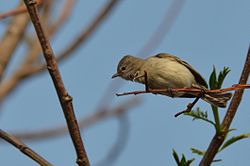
<point>199,79</point>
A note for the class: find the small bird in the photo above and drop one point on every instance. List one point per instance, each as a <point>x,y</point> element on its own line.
<point>165,71</point>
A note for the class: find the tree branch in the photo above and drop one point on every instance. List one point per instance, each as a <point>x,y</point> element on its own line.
<point>13,35</point>
<point>84,122</point>
<point>18,10</point>
<point>64,97</point>
<point>194,91</point>
<point>219,138</point>
<point>26,70</point>
<point>24,148</point>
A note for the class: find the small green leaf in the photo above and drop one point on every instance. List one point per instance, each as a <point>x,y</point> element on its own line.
<point>222,76</point>
<point>234,139</point>
<point>198,114</point>
<point>229,130</point>
<point>176,158</point>
<point>190,161</point>
<point>197,151</point>
<point>183,161</point>
<point>213,79</point>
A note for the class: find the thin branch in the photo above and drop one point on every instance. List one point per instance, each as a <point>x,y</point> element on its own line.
<point>85,34</point>
<point>11,39</point>
<point>27,70</point>
<point>194,91</point>
<point>24,148</point>
<point>84,122</point>
<point>166,24</point>
<point>119,145</point>
<point>65,99</point>
<point>18,10</point>
<point>219,138</point>
<point>63,16</point>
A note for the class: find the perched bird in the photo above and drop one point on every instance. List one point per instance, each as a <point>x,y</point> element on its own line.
<point>165,71</point>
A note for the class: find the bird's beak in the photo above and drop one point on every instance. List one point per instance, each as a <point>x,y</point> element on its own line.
<point>115,75</point>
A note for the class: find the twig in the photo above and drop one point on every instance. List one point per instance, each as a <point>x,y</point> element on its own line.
<point>219,138</point>
<point>63,16</point>
<point>189,106</point>
<point>11,39</point>
<point>18,10</point>
<point>194,91</point>
<point>64,97</point>
<point>24,148</point>
<point>84,122</point>
<point>165,25</point>
<point>188,90</point>
<point>120,144</point>
<point>27,70</point>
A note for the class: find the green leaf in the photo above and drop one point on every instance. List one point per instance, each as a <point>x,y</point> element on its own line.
<point>222,76</point>
<point>197,151</point>
<point>229,130</point>
<point>213,79</point>
<point>183,161</point>
<point>190,161</point>
<point>176,157</point>
<point>199,115</point>
<point>233,140</point>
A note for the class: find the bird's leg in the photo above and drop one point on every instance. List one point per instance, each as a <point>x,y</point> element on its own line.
<point>191,105</point>
<point>146,81</point>
<point>170,92</point>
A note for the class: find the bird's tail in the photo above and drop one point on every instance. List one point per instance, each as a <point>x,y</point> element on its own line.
<point>217,99</point>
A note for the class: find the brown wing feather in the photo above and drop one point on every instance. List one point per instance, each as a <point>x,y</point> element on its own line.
<point>199,79</point>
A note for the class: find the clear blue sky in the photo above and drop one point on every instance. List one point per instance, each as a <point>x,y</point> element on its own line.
<point>206,33</point>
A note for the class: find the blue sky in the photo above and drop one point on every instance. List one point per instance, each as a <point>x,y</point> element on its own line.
<point>205,33</point>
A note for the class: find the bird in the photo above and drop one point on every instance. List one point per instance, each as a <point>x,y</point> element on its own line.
<point>166,71</point>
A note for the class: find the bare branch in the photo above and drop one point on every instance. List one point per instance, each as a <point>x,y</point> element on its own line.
<point>24,148</point>
<point>18,10</point>
<point>84,122</point>
<point>168,20</point>
<point>219,138</point>
<point>11,39</point>
<point>120,143</point>
<point>27,70</point>
<point>65,99</point>
<point>194,91</point>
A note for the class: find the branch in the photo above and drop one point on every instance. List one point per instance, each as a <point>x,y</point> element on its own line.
<point>166,24</point>
<point>65,99</point>
<point>24,148</point>
<point>11,39</point>
<point>194,91</point>
<point>27,70</point>
<point>219,138</point>
<point>84,122</point>
<point>82,37</point>
<point>119,145</point>
<point>18,10</point>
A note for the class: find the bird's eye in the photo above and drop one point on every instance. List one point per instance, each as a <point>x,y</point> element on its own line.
<point>123,68</point>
